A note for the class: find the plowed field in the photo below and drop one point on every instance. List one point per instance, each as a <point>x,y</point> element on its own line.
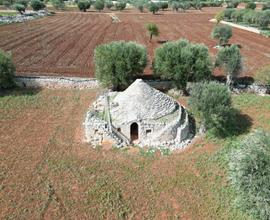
<point>64,44</point>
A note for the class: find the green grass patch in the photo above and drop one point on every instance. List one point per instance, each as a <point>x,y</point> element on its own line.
<point>8,13</point>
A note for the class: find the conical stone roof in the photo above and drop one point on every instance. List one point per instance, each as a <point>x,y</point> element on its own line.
<point>141,101</point>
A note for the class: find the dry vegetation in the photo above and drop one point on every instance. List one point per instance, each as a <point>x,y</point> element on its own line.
<point>47,172</point>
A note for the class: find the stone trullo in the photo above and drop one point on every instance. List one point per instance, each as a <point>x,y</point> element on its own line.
<point>140,115</point>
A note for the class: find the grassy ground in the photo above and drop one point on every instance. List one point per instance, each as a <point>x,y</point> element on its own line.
<point>47,172</point>
<point>3,13</point>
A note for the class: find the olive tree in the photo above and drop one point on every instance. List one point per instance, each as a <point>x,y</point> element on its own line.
<point>118,63</point>
<point>249,172</point>
<point>7,70</point>
<point>222,33</point>
<point>153,30</point>
<point>84,5</point>
<point>175,6</point>
<point>99,5</point>
<point>37,5</point>
<point>140,6</point>
<point>211,103</point>
<point>182,61</point>
<point>109,4</point>
<point>153,7</point>
<point>19,7</point>
<point>263,19</point>
<point>229,58</point>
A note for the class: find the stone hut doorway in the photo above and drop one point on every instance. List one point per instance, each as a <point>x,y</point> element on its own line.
<point>134,131</point>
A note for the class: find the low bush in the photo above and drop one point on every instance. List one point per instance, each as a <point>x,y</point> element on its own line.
<point>211,103</point>
<point>182,61</point>
<point>250,5</point>
<point>249,171</point>
<point>118,63</point>
<point>99,5</point>
<point>37,5</point>
<point>262,76</point>
<point>7,70</point>
<point>19,7</point>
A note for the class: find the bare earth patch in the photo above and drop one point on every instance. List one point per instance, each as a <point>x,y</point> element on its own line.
<point>64,44</point>
<point>47,172</point>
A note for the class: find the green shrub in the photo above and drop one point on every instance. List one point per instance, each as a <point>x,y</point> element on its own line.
<point>249,171</point>
<point>58,4</point>
<point>222,33</point>
<point>211,103</point>
<point>120,6</point>
<point>109,5</point>
<point>266,6</point>
<point>83,5</point>
<point>19,7</point>
<point>250,5</point>
<point>99,5</point>
<point>23,2</point>
<point>118,63</point>
<point>263,19</point>
<point>152,29</point>
<point>229,58</point>
<point>228,13</point>
<point>153,7</point>
<point>182,61</point>
<point>262,76</point>
<point>7,70</point>
<point>37,5</point>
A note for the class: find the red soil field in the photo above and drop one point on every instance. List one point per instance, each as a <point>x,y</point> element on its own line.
<point>63,44</point>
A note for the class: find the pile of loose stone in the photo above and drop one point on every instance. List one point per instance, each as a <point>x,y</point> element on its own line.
<point>27,16</point>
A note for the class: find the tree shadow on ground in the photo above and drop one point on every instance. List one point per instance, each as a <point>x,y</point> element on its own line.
<point>235,124</point>
<point>19,92</point>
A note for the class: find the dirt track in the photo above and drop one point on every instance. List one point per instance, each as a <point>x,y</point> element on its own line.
<point>63,44</point>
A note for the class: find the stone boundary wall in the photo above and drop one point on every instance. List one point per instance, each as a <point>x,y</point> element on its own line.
<point>92,83</point>
<point>56,82</point>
